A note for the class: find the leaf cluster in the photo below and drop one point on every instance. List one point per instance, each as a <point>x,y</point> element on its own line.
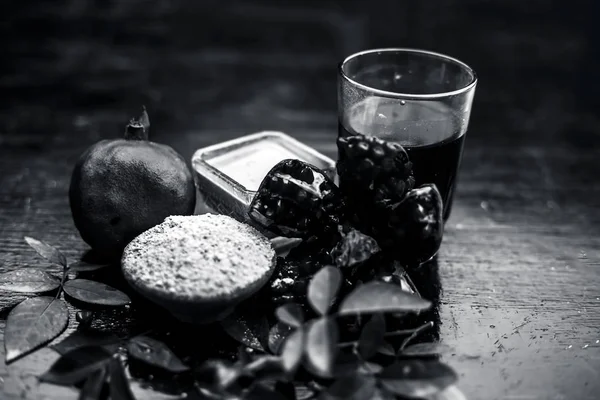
<point>38,320</point>
<point>99,369</point>
<point>307,352</point>
<point>300,353</point>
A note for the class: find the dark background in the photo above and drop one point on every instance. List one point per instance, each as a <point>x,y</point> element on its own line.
<point>238,66</point>
<point>519,304</point>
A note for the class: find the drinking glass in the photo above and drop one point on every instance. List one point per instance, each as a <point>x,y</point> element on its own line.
<point>417,98</point>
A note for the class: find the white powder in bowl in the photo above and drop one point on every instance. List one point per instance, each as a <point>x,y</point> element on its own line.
<point>199,257</point>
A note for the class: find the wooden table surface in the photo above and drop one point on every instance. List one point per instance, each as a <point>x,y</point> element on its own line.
<point>519,268</point>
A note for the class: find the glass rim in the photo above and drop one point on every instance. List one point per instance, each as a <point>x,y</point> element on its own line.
<point>409,96</point>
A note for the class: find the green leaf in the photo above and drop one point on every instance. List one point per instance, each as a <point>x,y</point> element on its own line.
<point>95,293</point>
<point>265,367</point>
<point>323,288</point>
<point>426,350</point>
<point>249,328</point>
<point>371,336</point>
<point>76,365</point>
<point>417,378</point>
<point>47,251</point>
<point>155,353</point>
<point>119,388</point>
<point>305,391</point>
<point>82,266</point>
<point>377,297</point>
<point>293,349</point>
<point>92,389</point>
<point>350,387</point>
<point>290,314</point>
<point>321,346</point>
<point>386,349</point>
<point>277,335</point>
<point>79,339</point>
<point>27,280</point>
<point>370,368</point>
<point>450,393</point>
<point>32,324</point>
<point>218,375</point>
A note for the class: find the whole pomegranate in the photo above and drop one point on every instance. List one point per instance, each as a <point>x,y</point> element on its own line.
<point>121,187</point>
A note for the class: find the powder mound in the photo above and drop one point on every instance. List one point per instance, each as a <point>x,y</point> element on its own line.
<point>198,258</point>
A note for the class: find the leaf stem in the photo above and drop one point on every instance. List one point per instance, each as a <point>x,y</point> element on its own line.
<point>411,283</point>
<point>400,332</point>
<point>415,333</point>
<point>62,281</point>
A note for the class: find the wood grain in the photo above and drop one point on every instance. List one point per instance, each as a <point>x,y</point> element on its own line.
<point>518,278</point>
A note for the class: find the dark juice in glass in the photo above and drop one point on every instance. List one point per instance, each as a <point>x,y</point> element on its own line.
<point>428,131</point>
